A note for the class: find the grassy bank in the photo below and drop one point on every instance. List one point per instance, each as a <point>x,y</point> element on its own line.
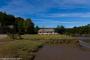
<point>53,40</point>
<point>24,49</point>
<point>29,45</point>
<point>46,37</point>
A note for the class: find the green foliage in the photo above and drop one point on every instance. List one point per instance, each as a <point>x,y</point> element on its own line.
<point>82,30</point>
<point>30,26</point>
<point>36,29</point>
<point>79,30</point>
<point>20,25</point>
<point>60,29</point>
<point>7,19</point>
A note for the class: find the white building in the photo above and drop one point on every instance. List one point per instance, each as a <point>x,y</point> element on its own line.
<point>47,31</point>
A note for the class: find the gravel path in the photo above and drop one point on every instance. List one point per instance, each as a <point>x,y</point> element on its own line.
<point>62,53</point>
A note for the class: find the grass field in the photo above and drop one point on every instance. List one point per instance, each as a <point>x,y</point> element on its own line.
<point>29,45</point>
<point>53,39</point>
<point>24,49</point>
<point>46,37</point>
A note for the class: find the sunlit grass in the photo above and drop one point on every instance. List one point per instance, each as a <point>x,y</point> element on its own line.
<point>46,37</point>
<point>24,49</point>
<point>54,39</point>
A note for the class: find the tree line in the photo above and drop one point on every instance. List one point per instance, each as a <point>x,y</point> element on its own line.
<point>10,23</point>
<point>74,31</point>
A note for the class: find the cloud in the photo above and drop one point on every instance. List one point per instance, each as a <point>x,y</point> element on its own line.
<point>70,3</point>
<point>56,21</point>
<point>30,7</point>
<point>80,15</point>
<point>16,7</point>
<point>22,7</point>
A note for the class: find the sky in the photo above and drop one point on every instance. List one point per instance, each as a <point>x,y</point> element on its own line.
<point>50,13</point>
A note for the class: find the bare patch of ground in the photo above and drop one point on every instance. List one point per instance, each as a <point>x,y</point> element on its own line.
<point>62,53</point>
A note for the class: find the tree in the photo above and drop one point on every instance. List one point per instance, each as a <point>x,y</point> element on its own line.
<point>6,20</point>
<point>20,25</point>
<point>2,20</point>
<point>60,29</point>
<point>30,26</point>
<point>36,29</point>
<point>81,30</point>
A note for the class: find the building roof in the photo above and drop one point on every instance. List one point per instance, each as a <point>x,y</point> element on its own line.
<point>46,30</point>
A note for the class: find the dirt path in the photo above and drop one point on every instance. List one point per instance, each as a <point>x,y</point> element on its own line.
<point>62,53</point>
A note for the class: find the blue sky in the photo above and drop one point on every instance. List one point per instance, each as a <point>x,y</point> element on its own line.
<point>50,13</point>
